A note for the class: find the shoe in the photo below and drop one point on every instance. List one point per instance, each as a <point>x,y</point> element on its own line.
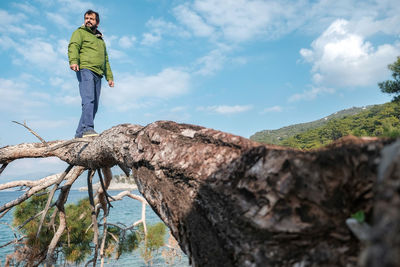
<point>90,133</point>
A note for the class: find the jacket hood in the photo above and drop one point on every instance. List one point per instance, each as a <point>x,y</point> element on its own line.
<point>97,32</point>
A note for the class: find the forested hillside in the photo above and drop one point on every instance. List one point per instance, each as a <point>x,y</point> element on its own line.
<point>378,120</point>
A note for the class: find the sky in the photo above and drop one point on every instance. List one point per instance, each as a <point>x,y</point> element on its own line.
<point>239,66</point>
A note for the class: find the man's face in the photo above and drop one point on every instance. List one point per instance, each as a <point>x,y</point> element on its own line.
<point>90,20</point>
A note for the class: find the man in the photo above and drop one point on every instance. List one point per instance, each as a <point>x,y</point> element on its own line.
<point>88,58</point>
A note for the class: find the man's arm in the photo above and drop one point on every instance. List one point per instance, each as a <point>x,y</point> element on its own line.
<point>73,50</point>
<point>109,74</point>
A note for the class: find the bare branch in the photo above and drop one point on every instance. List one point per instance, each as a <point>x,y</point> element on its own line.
<point>69,142</point>
<point>94,217</point>
<point>106,195</point>
<point>123,194</point>
<point>3,167</point>
<point>13,242</point>
<point>4,212</point>
<point>50,198</point>
<point>62,198</point>
<point>103,241</point>
<point>32,132</point>
<point>37,186</point>
<point>29,219</point>
<point>29,183</point>
<point>89,261</point>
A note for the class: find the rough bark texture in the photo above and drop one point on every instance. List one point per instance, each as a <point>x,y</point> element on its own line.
<point>232,202</point>
<point>384,248</point>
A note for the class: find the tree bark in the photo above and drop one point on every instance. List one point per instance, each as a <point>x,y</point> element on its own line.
<point>230,201</point>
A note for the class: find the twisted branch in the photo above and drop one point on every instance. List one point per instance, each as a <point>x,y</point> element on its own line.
<point>62,198</point>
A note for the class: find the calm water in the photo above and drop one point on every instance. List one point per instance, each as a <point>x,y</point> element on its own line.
<point>126,211</point>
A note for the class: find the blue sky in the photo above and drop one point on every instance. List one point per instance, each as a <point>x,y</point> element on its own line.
<point>239,66</point>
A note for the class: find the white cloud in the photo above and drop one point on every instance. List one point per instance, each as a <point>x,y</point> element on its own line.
<point>7,18</point>
<point>272,109</point>
<point>162,27</point>
<point>234,20</point>
<point>43,55</point>
<point>75,6</point>
<point>116,54</point>
<point>59,20</point>
<point>62,47</point>
<point>211,63</point>
<point>127,41</point>
<point>243,20</point>
<point>12,23</point>
<point>33,27</point>
<point>74,100</point>
<point>193,21</point>
<point>16,98</point>
<point>6,42</point>
<point>341,57</point>
<point>225,109</point>
<point>150,38</point>
<point>178,109</point>
<point>26,7</point>
<point>159,28</point>
<point>311,94</point>
<point>131,91</point>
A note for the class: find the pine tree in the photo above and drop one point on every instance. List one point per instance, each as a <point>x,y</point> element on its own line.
<point>392,86</point>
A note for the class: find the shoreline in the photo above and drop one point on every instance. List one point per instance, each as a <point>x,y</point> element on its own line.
<point>112,187</point>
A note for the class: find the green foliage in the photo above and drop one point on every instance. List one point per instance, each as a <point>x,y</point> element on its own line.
<point>392,86</point>
<point>155,236</point>
<point>278,136</point>
<point>76,242</point>
<point>23,212</point>
<point>359,216</point>
<point>379,121</point>
<point>153,242</point>
<point>119,241</point>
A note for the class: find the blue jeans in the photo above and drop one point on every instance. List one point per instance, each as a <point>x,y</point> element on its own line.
<point>89,89</point>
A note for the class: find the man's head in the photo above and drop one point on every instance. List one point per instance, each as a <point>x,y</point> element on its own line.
<point>92,19</point>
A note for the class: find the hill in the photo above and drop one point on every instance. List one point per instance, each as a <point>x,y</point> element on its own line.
<point>281,134</point>
<point>376,120</point>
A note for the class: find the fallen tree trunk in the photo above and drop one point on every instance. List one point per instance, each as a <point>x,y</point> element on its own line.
<point>230,201</point>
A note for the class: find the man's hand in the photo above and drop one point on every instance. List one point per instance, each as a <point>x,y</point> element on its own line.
<point>111,83</point>
<point>74,67</point>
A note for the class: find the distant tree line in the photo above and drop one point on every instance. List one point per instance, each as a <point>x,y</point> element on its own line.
<point>379,121</point>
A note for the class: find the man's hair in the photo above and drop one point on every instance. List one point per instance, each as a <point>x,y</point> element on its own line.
<point>90,12</point>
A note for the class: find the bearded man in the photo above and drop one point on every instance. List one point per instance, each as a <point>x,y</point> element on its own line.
<point>88,57</point>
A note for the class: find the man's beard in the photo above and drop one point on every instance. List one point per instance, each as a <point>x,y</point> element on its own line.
<point>89,25</point>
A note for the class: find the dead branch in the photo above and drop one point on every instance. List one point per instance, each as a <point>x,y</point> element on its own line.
<point>3,167</point>
<point>103,241</point>
<point>94,216</point>
<point>31,218</point>
<point>15,241</point>
<point>62,198</point>
<point>50,198</point>
<point>31,131</point>
<point>29,183</point>
<point>4,212</point>
<point>36,187</point>
<point>123,194</point>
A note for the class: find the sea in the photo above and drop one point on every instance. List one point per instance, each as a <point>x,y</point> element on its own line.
<point>126,211</point>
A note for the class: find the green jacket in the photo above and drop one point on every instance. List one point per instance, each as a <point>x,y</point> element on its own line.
<point>87,49</point>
